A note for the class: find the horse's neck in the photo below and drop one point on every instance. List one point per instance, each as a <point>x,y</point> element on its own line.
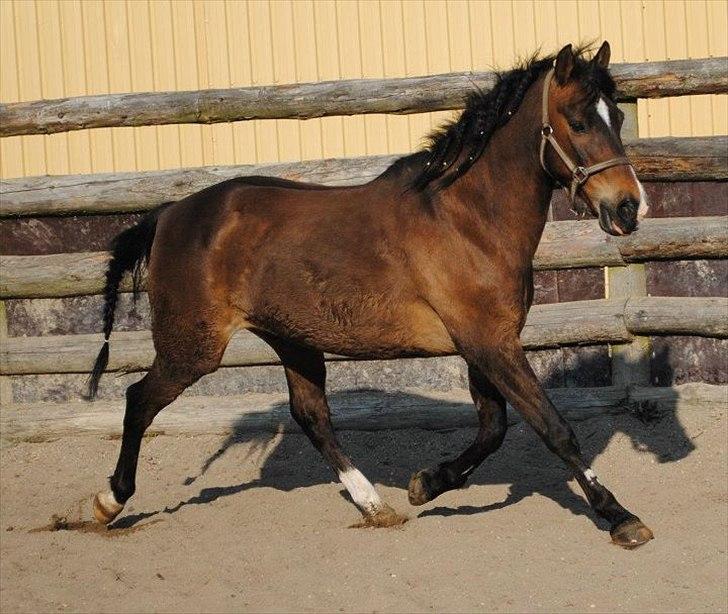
<point>507,187</point>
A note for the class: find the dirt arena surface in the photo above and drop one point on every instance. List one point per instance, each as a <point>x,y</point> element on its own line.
<point>264,528</point>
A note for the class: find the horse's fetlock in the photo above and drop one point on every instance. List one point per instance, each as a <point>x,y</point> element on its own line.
<point>447,478</point>
<point>123,491</point>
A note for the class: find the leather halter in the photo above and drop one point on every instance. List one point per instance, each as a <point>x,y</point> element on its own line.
<point>579,174</point>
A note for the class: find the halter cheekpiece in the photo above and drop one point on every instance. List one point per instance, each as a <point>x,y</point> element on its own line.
<point>579,174</point>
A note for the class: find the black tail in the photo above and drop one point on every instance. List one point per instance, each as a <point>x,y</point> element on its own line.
<point>129,253</point>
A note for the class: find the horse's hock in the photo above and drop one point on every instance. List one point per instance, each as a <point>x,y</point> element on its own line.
<point>619,324</point>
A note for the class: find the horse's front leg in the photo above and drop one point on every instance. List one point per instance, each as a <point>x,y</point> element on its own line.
<point>506,366</point>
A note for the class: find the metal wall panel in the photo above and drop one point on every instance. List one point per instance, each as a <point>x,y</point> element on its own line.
<point>56,48</point>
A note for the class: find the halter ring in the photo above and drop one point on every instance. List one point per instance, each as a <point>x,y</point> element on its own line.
<point>547,130</point>
<point>580,174</point>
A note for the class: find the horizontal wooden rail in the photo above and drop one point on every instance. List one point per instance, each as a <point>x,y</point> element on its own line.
<point>357,411</point>
<point>306,100</point>
<point>141,191</point>
<point>548,326</point>
<point>660,159</point>
<point>663,315</point>
<point>564,245</point>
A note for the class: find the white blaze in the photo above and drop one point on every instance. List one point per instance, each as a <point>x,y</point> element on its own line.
<point>590,475</point>
<point>361,490</point>
<point>603,111</point>
<point>643,208</point>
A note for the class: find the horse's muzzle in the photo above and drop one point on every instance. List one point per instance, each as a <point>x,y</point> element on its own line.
<point>619,220</point>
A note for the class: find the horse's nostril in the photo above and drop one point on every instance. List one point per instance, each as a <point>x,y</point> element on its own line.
<point>627,209</point>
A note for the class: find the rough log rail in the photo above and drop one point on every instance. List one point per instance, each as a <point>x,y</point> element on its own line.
<point>306,100</point>
<point>564,245</point>
<point>358,411</point>
<point>548,326</point>
<point>660,159</point>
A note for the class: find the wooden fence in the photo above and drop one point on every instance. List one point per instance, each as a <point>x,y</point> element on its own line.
<point>624,318</point>
<point>346,97</point>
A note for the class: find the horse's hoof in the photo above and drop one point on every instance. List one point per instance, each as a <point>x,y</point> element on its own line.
<point>106,507</point>
<point>382,517</point>
<point>631,534</point>
<point>421,489</point>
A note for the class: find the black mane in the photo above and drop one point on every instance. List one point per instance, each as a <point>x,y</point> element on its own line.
<point>466,138</point>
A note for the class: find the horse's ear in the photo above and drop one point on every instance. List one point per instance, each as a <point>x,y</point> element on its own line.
<point>603,55</point>
<point>564,64</point>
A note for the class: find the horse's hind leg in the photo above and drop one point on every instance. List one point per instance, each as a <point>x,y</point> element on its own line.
<point>165,381</point>
<point>491,407</point>
<point>306,376</point>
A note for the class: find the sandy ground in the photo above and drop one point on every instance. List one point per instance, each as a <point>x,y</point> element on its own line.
<point>266,529</point>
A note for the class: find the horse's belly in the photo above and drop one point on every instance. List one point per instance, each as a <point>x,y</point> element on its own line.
<point>360,330</point>
<point>387,342</point>
<point>413,335</point>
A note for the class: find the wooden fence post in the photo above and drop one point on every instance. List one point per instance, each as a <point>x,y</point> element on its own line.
<point>6,390</point>
<point>630,361</point>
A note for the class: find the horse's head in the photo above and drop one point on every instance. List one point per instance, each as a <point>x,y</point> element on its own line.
<point>581,146</point>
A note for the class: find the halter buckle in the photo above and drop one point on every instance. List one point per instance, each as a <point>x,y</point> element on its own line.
<point>580,174</point>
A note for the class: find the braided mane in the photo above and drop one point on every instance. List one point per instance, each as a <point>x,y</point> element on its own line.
<point>466,138</point>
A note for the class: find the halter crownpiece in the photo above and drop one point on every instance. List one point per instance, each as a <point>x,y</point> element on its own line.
<point>579,174</point>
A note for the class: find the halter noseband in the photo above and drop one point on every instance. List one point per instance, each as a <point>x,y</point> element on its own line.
<point>579,174</point>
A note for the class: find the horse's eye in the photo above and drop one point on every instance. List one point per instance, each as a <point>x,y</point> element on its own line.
<point>577,126</point>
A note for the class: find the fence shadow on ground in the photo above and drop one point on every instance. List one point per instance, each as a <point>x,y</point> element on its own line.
<point>390,457</point>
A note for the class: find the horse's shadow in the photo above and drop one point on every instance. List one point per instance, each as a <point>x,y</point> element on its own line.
<point>389,457</point>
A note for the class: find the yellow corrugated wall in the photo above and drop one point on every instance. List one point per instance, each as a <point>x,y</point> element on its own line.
<point>57,48</point>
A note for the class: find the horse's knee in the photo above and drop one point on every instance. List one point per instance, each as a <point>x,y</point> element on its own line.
<point>560,438</point>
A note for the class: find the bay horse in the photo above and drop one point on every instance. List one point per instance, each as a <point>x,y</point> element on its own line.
<point>433,257</point>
